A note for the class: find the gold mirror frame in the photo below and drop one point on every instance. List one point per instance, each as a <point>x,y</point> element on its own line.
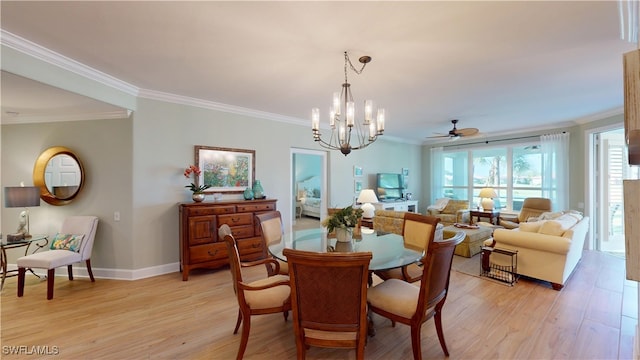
<point>39,175</point>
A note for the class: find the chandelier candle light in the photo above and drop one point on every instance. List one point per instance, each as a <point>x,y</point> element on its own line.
<point>342,123</point>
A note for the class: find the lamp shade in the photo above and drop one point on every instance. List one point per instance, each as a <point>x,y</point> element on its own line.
<point>488,193</point>
<point>21,196</point>
<point>367,196</point>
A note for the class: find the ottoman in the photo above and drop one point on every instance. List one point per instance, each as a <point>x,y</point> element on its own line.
<point>473,240</point>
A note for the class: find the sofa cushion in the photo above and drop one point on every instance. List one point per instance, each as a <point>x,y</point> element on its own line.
<point>532,226</point>
<point>559,225</point>
<point>440,204</point>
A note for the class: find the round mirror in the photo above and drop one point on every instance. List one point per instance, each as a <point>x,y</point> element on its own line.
<point>59,174</point>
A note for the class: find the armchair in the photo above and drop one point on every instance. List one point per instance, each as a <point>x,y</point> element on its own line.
<point>531,208</point>
<point>271,228</point>
<point>329,299</point>
<point>265,296</point>
<point>456,211</point>
<point>76,243</point>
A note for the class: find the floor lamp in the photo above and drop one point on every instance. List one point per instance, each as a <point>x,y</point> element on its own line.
<point>22,196</point>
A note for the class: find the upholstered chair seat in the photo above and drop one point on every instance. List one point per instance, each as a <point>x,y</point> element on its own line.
<point>49,259</point>
<point>270,297</point>
<point>395,296</point>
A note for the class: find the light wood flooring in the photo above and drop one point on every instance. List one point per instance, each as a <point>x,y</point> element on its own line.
<point>593,317</point>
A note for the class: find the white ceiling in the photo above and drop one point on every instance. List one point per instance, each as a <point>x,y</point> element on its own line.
<point>502,67</point>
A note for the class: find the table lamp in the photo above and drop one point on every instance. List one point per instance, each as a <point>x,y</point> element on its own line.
<point>22,196</point>
<point>487,195</point>
<point>366,197</point>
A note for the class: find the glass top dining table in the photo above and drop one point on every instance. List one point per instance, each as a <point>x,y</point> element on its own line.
<point>388,249</point>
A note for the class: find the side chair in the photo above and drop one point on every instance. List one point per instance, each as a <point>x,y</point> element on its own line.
<point>265,296</point>
<point>413,305</point>
<point>418,231</point>
<point>73,244</point>
<point>272,230</point>
<point>329,299</point>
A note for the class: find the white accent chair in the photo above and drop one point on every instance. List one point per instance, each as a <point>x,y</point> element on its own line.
<point>52,259</point>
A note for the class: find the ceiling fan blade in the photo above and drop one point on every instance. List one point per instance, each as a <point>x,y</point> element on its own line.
<point>467,132</point>
<point>438,136</point>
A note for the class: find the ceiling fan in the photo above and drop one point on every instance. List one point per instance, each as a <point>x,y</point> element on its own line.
<point>456,133</point>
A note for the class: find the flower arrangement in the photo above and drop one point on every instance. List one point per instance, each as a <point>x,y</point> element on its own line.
<point>343,218</point>
<point>196,189</point>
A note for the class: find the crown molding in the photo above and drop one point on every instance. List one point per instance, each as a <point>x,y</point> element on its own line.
<point>46,118</point>
<point>36,51</point>
<point>212,105</point>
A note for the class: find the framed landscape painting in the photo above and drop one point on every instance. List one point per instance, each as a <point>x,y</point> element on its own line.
<point>225,169</point>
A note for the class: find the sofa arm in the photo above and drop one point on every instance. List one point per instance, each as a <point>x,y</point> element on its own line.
<point>508,224</point>
<point>433,212</point>
<point>514,239</point>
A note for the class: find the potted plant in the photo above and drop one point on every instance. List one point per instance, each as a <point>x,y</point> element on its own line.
<point>197,190</point>
<point>343,222</point>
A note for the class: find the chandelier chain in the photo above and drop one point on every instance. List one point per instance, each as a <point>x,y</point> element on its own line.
<point>348,60</point>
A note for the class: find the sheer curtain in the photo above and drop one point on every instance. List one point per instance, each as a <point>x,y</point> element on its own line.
<point>437,177</point>
<point>555,169</point>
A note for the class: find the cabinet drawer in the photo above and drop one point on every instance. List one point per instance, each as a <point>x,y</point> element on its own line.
<point>257,207</point>
<point>242,232</point>
<point>252,247</point>
<point>208,252</point>
<point>235,219</point>
<point>201,210</point>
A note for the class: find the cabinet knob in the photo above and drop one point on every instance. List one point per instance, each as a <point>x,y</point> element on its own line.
<point>214,253</point>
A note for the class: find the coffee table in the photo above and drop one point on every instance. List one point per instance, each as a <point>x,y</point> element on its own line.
<point>473,240</point>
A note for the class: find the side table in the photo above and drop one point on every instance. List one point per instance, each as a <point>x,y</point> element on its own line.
<point>494,214</point>
<point>505,273</point>
<point>40,241</point>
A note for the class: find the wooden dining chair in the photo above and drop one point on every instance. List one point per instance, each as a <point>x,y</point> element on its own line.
<point>417,231</point>
<point>413,305</point>
<point>272,230</point>
<point>328,298</point>
<point>265,296</point>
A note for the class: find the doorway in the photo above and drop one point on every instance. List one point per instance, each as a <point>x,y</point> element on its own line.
<point>609,168</point>
<point>308,188</point>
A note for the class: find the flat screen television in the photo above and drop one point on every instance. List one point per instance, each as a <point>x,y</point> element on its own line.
<point>389,186</point>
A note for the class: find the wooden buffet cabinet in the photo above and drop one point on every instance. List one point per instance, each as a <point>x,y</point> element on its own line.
<point>200,246</point>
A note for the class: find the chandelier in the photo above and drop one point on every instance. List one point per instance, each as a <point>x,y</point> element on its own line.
<point>343,123</point>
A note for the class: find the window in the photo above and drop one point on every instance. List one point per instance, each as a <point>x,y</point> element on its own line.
<point>513,171</point>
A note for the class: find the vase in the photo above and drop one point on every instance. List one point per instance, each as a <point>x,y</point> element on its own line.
<point>248,194</point>
<point>198,197</point>
<point>258,191</point>
<point>344,235</point>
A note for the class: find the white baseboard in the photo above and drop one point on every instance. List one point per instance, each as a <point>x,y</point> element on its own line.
<point>114,274</point>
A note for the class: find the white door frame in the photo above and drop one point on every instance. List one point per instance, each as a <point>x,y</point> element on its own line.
<point>323,181</point>
<point>591,182</point>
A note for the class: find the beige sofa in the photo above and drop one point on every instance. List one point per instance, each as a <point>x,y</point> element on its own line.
<point>456,211</point>
<point>389,221</point>
<point>547,249</point>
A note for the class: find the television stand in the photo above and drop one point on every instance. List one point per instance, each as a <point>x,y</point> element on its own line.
<point>399,205</point>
